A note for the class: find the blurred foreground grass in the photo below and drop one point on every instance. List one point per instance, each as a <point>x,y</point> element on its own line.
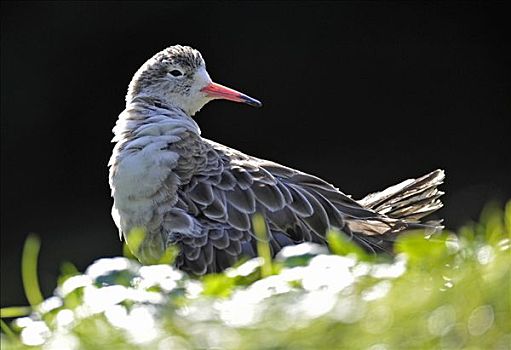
<point>447,291</point>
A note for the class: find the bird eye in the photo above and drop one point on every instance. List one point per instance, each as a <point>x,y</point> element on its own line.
<point>176,73</point>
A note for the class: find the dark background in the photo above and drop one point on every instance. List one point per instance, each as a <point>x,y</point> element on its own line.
<point>361,94</point>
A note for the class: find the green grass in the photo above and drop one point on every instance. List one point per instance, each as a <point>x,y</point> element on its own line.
<point>448,291</point>
<point>29,270</point>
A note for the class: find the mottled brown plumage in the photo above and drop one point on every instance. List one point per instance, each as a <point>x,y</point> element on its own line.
<point>185,190</point>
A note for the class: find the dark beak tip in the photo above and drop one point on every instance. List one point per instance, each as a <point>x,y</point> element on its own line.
<point>257,104</point>
<point>252,102</point>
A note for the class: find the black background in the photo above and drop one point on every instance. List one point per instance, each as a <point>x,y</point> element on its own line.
<point>361,94</point>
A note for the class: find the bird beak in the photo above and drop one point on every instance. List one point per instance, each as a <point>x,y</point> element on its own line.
<point>217,91</point>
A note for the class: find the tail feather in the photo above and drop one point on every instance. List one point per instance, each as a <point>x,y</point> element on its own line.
<point>401,207</point>
<point>409,200</point>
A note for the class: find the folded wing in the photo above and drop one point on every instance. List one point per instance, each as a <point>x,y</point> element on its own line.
<point>297,207</point>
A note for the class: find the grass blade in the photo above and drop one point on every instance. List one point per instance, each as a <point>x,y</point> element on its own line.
<point>29,270</point>
<point>263,246</point>
<point>14,311</point>
<point>5,328</point>
<point>133,242</point>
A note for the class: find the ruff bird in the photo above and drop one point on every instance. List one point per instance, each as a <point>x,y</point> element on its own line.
<point>199,195</point>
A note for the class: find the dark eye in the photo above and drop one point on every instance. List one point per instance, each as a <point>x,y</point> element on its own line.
<point>176,73</point>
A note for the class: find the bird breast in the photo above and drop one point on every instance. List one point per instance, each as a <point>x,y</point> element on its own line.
<point>143,175</point>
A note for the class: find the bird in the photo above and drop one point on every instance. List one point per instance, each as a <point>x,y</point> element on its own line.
<point>200,196</point>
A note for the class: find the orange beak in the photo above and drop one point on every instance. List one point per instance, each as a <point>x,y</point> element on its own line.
<point>217,91</point>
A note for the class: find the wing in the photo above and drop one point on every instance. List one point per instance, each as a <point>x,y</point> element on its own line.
<point>231,186</point>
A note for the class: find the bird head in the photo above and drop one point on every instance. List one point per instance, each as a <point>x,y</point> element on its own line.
<point>177,76</point>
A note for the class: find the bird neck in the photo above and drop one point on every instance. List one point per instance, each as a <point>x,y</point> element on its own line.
<point>149,116</point>
<point>148,122</point>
